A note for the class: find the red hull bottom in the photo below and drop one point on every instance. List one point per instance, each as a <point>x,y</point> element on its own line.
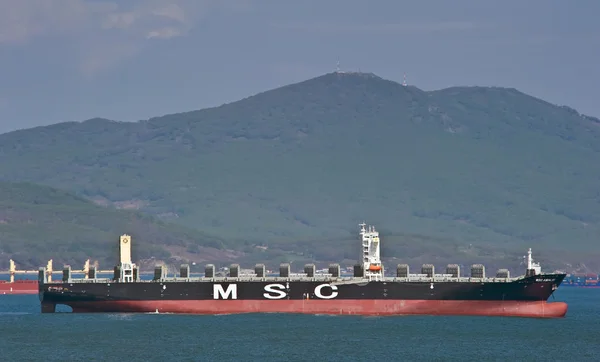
<point>339,307</point>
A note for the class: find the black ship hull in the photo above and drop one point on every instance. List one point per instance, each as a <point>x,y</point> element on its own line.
<point>526,297</point>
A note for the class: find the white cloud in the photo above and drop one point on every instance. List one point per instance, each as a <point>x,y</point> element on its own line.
<point>172,11</point>
<point>103,32</point>
<point>23,20</point>
<point>164,33</point>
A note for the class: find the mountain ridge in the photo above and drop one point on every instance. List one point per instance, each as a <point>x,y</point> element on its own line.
<point>308,81</point>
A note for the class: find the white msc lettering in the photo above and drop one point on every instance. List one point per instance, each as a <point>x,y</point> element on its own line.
<point>333,294</point>
<point>224,294</point>
<point>274,291</point>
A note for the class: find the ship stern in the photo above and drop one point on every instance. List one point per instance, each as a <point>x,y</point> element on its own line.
<point>45,305</point>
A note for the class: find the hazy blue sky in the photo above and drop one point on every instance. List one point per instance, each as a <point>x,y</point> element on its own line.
<point>66,60</point>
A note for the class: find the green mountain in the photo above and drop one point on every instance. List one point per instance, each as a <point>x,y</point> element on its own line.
<point>38,223</point>
<point>298,167</point>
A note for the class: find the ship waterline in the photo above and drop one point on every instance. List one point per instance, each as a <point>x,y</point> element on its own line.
<point>364,307</point>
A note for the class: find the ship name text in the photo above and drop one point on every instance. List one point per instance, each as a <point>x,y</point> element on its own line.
<point>274,291</point>
<point>543,280</point>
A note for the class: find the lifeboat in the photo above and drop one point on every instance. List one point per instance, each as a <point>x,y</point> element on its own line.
<point>374,267</point>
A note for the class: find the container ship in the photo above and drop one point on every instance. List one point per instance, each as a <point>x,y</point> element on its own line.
<point>22,286</point>
<point>365,292</point>
<point>18,286</point>
<point>582,281</point>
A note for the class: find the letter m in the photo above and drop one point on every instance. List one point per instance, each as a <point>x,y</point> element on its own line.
<point>231,291</point>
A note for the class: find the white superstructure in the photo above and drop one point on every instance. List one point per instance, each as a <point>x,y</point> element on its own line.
<point>531,266</point>
<point>371,257</point>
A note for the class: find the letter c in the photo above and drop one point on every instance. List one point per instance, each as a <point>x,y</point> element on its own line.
<point>320,295</point>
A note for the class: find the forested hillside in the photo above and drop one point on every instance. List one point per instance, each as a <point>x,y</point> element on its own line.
<point>475,167</point>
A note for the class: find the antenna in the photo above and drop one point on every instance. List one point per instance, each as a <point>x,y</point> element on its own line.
<point>337,68</point>
<point>404,81</point>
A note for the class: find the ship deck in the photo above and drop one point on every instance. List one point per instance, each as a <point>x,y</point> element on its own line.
<point>299,278</point>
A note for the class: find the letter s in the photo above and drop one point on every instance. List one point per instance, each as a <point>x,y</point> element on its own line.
<point>320,295</point>
<point>276,289</point>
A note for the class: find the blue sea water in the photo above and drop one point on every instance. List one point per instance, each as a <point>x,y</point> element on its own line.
<point>28,335</point>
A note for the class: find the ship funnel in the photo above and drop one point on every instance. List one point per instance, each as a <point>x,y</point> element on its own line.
<point>12,269</point>
<point>127,270</point>
<point>86,269</point>
<point>49,271</point>
<point>125,249</point>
